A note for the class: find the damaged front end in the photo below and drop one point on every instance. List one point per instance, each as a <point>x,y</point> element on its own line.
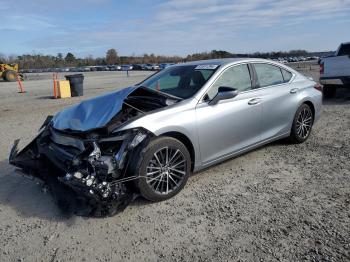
<point>88,176</point>
<point>88,172</point>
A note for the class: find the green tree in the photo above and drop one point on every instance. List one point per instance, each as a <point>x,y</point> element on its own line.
<point>70,58</point>
<point>111,57</point>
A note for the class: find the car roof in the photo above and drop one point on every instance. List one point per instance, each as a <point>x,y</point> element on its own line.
<point>222,61</point>
<point>228,61</point>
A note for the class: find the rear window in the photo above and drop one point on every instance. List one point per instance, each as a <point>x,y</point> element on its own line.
<point>286,75</point>
<point>268,75</point>
<point>344,50</point>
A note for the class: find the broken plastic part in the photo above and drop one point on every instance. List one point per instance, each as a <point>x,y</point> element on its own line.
<point>78,175</point>
<point>97,181</point>
<point>87,168</point>
<point>96,153</point>
<point>137,139</point>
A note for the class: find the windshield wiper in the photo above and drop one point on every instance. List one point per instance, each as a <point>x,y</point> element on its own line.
<point>162,93</point>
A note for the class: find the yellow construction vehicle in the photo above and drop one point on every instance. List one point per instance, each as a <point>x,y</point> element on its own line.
<point>9,72</point>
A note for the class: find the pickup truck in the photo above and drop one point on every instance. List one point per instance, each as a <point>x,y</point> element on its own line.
<point>335,70</point>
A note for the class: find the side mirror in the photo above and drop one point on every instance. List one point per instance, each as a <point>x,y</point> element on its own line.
<point>224,92</point>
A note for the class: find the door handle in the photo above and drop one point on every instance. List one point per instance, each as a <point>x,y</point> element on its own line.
<point>254,101</point>
<point>294,90</point>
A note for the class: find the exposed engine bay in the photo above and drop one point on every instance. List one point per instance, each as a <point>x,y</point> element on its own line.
<point>88,171</point>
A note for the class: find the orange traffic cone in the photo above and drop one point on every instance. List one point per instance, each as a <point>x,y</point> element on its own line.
<point>20,85</point>
<point>55,78</point>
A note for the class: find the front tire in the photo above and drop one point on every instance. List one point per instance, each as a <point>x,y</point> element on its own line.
<point>302,124</point>
<point>163,169</point>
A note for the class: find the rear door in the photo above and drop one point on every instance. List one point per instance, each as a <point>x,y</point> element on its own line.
<point>279,99</point>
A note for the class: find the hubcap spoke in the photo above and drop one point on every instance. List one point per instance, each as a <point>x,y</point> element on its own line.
<point>175,175</point>
<point>176,170</point>
<point>155,178</point>
<point>178,163</point>
<point>152,173</point>
<point>171,159</point>
<point>175,159</point>
<point>155,155</point>
<point>172,179</point>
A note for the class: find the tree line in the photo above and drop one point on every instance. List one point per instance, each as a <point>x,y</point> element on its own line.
<point>36,61</point>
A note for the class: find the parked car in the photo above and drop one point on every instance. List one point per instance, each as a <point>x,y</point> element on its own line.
<point>126,67</point>
<point>335,70</point>
<point>165,65</point>
<point>148,138</point>
<point>155,67</point>
<point>76,69</point>
<point>151,67</point>
<point>281,60</point>
<point>291,59</point>
<point>137,67</point>
<point>112,68</point>
<point>143,66</point>
<point>148,67</point>
<point>102,68</point>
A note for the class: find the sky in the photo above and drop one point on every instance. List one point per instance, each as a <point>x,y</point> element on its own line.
<point>171,27</point>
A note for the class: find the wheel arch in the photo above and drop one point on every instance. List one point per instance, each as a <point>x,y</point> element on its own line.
<point>311,105</point>
<point>186,141</point>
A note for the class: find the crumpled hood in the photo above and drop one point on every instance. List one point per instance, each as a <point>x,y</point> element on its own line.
<point>92,113</point>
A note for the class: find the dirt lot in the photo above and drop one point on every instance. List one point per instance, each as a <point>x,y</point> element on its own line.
<point>280,202</point>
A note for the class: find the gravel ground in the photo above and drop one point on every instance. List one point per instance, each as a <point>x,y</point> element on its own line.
<point>280,202</point>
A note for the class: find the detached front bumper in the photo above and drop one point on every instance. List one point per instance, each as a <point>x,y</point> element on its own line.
<point>87,176</point>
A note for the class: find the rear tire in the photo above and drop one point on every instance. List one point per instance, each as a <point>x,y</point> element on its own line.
<point>302,124</point>
<point>329,91</point>
<point>10,75</point>
<point>163,168</point>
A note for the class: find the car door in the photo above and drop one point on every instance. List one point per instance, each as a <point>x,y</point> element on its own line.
<point>279,99</point>
<point>232,124</point>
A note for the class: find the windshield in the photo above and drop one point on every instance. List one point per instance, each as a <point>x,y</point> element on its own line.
<point>180,81</point>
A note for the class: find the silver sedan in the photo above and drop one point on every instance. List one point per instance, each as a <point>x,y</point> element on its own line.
<point>227,107</point>
<point>148,138</point>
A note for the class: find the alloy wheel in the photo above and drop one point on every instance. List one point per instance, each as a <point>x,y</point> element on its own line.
<point>166,170</point>
<point>304,123</point>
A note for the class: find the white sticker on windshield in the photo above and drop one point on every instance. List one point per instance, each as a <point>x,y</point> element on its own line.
<point>198,67</point>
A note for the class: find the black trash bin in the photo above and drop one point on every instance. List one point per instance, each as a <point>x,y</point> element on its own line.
<point>76,84</point>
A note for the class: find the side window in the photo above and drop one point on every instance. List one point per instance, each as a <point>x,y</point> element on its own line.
<point>344,50</point>
<point>237,77</point>
<point>268,74</point>
<point>286,75</point>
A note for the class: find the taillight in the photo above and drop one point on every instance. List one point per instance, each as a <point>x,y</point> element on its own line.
<point>321,68</point>
<point>319,87</point>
